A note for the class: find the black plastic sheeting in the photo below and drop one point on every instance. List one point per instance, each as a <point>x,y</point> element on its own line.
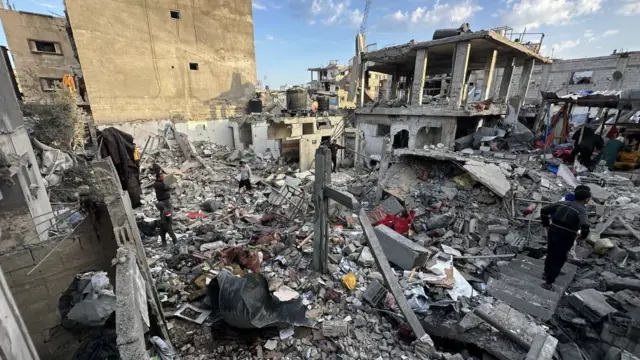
<point>245,303</point>
<point>100,345</point>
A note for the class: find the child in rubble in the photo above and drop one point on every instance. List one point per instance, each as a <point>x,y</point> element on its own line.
<point>166,224</point>
<point>245,176</point>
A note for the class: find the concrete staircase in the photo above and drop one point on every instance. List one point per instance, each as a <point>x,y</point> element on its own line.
<point>519,285</point>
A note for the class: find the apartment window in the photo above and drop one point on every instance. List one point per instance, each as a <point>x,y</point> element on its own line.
<point>581,78</point>
<point>175,14</point>
<point>50,84</point>
<point>194,66</point>
<point>45,47</point>
<point>384,130</point>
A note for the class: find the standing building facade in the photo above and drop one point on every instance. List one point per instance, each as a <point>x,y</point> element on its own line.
<point>160,60</point>
<point>41,52</point>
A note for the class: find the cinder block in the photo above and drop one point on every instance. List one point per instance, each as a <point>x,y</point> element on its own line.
<point>16,260</point>
<point>400,250</point>
<point>30,292</point>
<point>49,267</point>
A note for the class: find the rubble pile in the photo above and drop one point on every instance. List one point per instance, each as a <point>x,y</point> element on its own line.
<point>458,229</point>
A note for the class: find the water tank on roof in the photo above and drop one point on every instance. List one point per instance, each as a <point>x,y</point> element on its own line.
<point>255,106</point>
<point>445,33</point>
<point>296,99</point>
<point>323,103</point>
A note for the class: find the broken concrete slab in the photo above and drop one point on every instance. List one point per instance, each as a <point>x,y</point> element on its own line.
<point>592,304</point>
<point>598,193</point>
<point>490,176</point>
<point>366,258</point>
<point>391,206</point>
<point>400,250</point>
<point>543,348</point>
<point>335,328</point>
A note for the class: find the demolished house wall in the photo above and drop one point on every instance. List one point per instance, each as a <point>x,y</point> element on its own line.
<point>90,247</point>
<point>558,79</point>
<point>435,129</point>
<point>198,67</point>
<point>23,196</point>
<point>21,29</point>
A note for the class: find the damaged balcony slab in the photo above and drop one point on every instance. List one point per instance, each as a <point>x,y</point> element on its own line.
<point>488,174</point>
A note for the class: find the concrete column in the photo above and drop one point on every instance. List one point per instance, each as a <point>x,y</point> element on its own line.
<point>393,92</point>
<point>525,80</point>
<point>489,75</point>
<point>507,75</point>
<point>419,76</point>
<point>546,72</point>
<point>363,74</point>
<point>459,73</point>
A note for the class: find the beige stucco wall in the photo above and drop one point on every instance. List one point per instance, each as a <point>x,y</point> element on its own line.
<point>135,57</point>
<point>19,27</point>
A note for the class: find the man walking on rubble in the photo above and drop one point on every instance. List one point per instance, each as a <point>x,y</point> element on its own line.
<point>245,176</point>
<point>166,224</point>
<point>565,220</point>
<point>334,153</point>
<point>163,191</point>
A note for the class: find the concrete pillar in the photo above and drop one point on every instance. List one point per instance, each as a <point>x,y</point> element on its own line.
<point>419,76</point>
<point>507,75</point>
<point>459,73</point>
<point>489,75</point>
<point>525,80</point>
<point>363,74</point>
<point>546,72</point>
<point>393,92</point>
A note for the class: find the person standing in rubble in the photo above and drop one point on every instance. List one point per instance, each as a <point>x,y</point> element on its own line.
<point>163,190</point>
<point>166,224</point>
<point>584,149</point>
<point>245,176</point>
<point>565,220</point>
<point>334,153</point>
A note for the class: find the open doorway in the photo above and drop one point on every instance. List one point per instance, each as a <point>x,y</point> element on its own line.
<point>246,135</point>
<point>401,139</point>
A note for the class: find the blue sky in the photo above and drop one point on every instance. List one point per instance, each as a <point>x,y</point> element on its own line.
<point>293,35</point>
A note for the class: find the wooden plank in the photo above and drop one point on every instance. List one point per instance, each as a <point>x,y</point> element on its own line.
<point>390,279</point>
<point>342,198</point>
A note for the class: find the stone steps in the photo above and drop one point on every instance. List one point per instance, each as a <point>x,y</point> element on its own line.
<point>519,285</point>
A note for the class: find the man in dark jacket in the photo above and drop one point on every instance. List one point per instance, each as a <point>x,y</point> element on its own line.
<point>166,224</point>
<point>163,191</point>
<point>563,219</point>
<point>334,153</point>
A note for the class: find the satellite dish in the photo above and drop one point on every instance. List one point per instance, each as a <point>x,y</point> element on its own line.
<point>617,75</point>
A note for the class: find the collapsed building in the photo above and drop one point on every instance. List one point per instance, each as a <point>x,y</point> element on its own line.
<point>423,117</point>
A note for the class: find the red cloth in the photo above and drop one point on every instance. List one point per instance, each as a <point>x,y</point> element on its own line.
<point>399,223</point>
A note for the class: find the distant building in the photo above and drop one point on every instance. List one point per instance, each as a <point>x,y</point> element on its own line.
<point>334,79</point>
<point>159,60</point>
<point>41,52</point>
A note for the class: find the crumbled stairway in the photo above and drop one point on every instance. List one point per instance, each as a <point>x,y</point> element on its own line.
<point>519,285</point>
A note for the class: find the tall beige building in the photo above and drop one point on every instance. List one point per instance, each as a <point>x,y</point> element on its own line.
<point>41,52</point>
<point>158,59</point>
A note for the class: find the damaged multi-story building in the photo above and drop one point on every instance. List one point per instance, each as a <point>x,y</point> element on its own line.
<point>46,248</point>
<point>42,53</point>
<point>432,78</point>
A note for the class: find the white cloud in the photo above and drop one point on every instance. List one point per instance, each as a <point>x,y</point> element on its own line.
<point>590,36</point>
<point>439,13</point>
<point>558,49</point>
<point>258,5</point>
<point>270,38</point>
<point>535,13</point>
<point>328,12</point>
<point>631,8</point>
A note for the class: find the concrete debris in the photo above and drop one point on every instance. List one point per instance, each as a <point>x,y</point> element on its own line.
<point>461,231</point>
